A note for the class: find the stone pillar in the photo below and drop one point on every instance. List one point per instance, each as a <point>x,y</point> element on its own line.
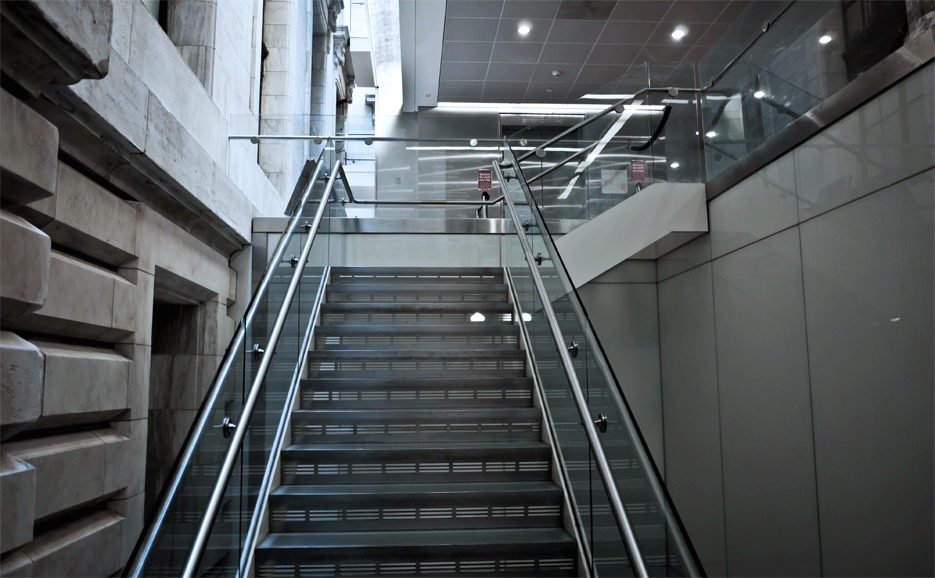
<point>191,27</point>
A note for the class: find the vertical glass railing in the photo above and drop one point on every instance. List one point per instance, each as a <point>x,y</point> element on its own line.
<point>662,543</point>
<point>261,365</point>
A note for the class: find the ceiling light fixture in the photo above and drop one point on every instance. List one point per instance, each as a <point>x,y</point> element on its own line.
<point>523,29</point>
<point>710,134</point>
<point>825,39</point>
<point>680,32</point>
<point>759,94</point>
<point>675,165</point>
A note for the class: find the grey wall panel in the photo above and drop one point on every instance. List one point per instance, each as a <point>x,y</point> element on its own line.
<point>769,470</point>
<point>868,269</point>
<point>690,411</point>
<point>625,320</point>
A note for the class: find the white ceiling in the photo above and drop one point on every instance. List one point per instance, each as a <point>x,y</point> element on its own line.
<point>590,42</point>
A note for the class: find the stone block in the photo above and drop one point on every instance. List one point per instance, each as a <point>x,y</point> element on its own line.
<point>138,380</point>
<point>125,457</point>
<point>192,23</point>
<point>120,100</point>
<point>126,311</point>
<point>88,218</point>
<point>89,546</point>
<point>80,302</point>
<point>82,380</point>
<point>21,374</point>
<point>69,470</point>
<point>30,152</point>
<point>16,565</point>
<point>18,502</point>
<point>25,261</point>
<point>135,309</point>
<point>132,511</point>
<point>60,42</point>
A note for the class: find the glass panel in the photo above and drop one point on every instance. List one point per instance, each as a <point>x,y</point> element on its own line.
<point>662,543</point>
<point>223,554</point>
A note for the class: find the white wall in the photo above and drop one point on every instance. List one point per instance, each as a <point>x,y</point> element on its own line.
<point>796,343</point>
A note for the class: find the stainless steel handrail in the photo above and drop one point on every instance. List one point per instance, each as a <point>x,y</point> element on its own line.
<point>147,540</point>
<point>253,530</point>
<point>629,99</point>
<point>227,467</point>
<point>603,465</point>
<point>657,489</point>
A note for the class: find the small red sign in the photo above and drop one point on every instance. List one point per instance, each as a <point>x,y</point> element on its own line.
<point>484,180</point>
<point>638,171</point>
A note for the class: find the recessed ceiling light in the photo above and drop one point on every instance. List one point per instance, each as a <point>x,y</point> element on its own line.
<point>759,94</point>
<point>523,29</point>
<point>679,32</point>
<point>710,134</point>
<point>675,165</point>
<point>548,90</point>
<point>824,39</point>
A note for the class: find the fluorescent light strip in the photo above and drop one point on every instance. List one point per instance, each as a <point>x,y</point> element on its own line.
<point>515,108</point>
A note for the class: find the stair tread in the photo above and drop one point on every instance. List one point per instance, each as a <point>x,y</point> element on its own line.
<point>375,354</point>
<point>380,307</point>
<point>421,413</point>
<point>425,287</point>
<point>420,488</point>
<point>413,538</point>
<point>434,382</point>
<point>428,271</point>
<point>419,446</point>
<point>462,329</point>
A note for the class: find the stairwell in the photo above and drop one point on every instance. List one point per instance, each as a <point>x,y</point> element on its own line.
<point>415,447</point>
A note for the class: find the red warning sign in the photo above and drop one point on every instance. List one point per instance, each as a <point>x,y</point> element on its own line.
<point>484,180</point>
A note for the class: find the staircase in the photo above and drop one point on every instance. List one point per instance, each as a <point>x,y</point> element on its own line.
<point>416,448</point>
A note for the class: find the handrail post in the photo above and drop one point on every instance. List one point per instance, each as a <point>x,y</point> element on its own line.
<point>230,458</point>
<point>603,465</point>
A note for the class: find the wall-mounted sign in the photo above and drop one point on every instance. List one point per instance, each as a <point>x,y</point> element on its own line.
<point>638,171</point>
<point>484,180</point>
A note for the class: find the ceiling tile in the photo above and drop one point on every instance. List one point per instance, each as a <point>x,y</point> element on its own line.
<point>662,54</point>
<point>474,9</point>
<point>467,51</point>
<point>622,32</point>
<point>510,71</point>
<point>616,55</point>
<point>662,35</point>
<point>645,11</point>
<point>539,30</point>
<point>543,73</point>
<point>685,11</point>
<point>460,88</point>
<point>470,29</point>
<point>516,52</point>
<point>581,88</point>
<point>464,71</point>
<point>537,9</point>
<point>712,35</point>
<point>585,9</point>
<point>733,11</point>
<point>541,90</point>
<point>565,53</point>
<point>582,31</point>
<point>601,73</point>
<point>504,91</point>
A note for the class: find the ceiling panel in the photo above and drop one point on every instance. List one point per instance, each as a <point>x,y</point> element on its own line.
<point>474,8</point>
<point>516,52</point>
<point>565,53</point>
<point>511,71</point>
<point>470,29</point>
<point>467,52</point>
<point>590,42</point>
